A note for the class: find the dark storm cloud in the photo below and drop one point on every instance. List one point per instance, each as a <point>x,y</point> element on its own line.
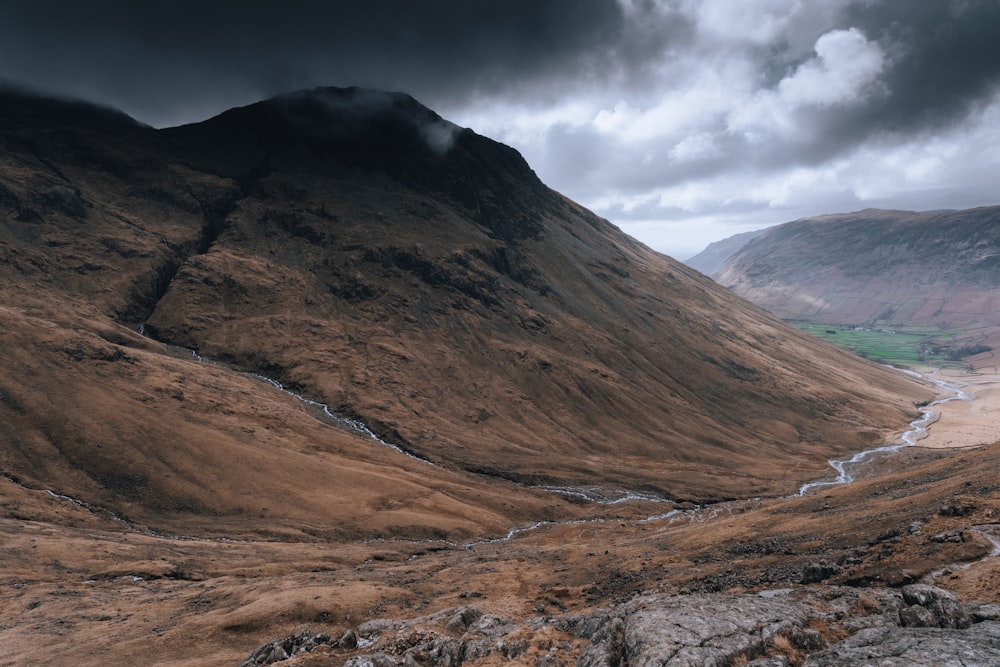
<point>944,59</point>
<point>717,112</point>
<point>152,56</point>
<point>942,64</point>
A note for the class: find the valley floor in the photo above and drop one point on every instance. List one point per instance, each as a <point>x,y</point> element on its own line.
<point>967,423</point>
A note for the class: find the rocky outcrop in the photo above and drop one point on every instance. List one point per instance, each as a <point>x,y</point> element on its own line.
<point>978,645</point>
<point>825,627</point>
<point>815,626</point>
<point>278,650</point>
<point>940,608</point>
<point>821,571</point>
<point>696,630</point>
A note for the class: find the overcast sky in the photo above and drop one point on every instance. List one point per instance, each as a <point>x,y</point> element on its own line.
<point>682,121</point>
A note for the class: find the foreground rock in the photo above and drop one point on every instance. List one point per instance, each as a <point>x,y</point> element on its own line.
<point>824,627</point>
<point>814,626</point>
<point>278,650</point>
<point>978,645</point>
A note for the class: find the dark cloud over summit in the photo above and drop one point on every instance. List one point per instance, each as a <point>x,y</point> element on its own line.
<point>154,57</point>
<point>682,120</point>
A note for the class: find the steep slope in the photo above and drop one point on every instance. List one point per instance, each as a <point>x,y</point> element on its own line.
<point>939,269</point>
<point>406,272</point>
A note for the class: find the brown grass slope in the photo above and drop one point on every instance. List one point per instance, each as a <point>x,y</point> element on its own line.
<point>891,267</point>
<point>409,273</point>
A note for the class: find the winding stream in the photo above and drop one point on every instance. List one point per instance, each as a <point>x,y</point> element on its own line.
<point>597,495</point>
<point>355,425</point>
<point>918,428</point>
<point>843,467</point>
<point>352,424</point>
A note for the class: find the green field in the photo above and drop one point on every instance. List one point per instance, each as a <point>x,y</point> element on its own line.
<point>900,346</point>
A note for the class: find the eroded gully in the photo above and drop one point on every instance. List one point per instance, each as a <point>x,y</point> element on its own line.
<point>918,429</point>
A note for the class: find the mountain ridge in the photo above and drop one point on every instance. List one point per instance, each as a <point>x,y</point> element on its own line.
<point>935,268</point>
<point>711,259</point>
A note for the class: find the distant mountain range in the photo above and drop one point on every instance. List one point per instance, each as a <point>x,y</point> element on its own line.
<point>936,269</point>
<point>711,259</point>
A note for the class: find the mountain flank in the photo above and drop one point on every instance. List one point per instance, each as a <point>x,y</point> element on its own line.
<point>938,269</point>
<point>711,259</point>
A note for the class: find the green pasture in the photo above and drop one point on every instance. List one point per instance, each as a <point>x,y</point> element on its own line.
<point>900,346</point>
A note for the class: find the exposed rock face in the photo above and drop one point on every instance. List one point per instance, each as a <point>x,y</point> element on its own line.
<point>278,650</point>
<point>946,611</point>
<point>816,627</point>
<point>694,630</point>
<point>451,637</point>
<point>978,646</point>
<point>784,628</point>
<point>821,571</point>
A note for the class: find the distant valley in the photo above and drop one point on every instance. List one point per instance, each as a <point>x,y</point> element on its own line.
<point>933,273</point>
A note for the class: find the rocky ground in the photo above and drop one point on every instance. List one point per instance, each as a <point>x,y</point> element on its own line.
<point>817,626</point>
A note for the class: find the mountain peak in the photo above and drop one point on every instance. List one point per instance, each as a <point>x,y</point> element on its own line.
<point>346,115</point>
<point>326,110</point>
<point>335,132</point>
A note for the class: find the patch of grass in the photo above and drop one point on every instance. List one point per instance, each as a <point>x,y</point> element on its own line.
<point>899,346</point>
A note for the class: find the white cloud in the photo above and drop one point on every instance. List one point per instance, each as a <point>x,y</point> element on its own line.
<point>754,21</point>
<point>699,145</point>
<point>845,65</point>
<point>685,106</point>
<point>962,158</point>
<point>763,117</point>
<point>844,70</point>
